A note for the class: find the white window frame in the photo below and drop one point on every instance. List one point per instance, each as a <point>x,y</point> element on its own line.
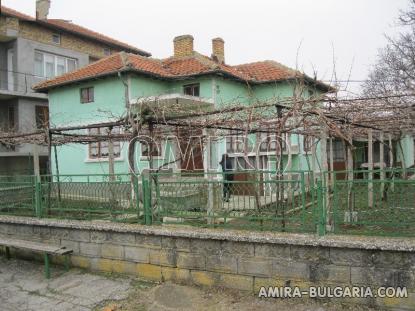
<point>100,158</point>
<point>55,57</point>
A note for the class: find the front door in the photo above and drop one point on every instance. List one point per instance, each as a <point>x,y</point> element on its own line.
<point>191,146</point>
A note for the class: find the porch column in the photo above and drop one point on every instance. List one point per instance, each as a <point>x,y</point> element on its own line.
<point>324,176</point>
<point>382,165</point>
<point>350,178</point>
<point>331,162</point>
<point>370,167</point>
<point>391,159</point>
<point>36,166</point>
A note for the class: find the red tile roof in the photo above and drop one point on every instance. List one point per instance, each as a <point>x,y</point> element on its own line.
<point>268,71</point>
<point>63,25</point>
<point>178,68</point>
<point>10,12</point>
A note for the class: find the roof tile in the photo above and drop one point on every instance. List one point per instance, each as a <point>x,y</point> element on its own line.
<point>173,67</point>
<point>75,29</point>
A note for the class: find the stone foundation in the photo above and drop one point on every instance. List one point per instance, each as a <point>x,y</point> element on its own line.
<point>234,259</point>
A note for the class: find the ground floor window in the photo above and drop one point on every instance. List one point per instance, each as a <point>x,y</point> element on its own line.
<point>100,150</point>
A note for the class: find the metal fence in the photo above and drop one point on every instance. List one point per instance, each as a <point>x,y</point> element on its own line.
<point>373,203</point>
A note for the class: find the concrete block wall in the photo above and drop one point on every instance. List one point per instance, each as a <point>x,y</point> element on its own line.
<point>237,260</point>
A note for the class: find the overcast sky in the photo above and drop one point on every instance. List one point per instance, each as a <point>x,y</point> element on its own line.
<point>352,30</point>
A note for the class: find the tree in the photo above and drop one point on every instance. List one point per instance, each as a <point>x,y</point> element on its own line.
<point>394,71</point>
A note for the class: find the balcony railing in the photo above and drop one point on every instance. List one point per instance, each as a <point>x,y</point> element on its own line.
<point>18,82</point>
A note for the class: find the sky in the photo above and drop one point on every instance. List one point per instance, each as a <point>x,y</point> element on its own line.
<point>322,36</point>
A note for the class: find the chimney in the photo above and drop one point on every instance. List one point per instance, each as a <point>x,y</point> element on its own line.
<point>42,9</point>
<point>183,46</point>
<point>218,50</point>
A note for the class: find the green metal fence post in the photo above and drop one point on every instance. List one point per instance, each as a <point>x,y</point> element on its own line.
<point>38,197</point>
<point>321,209</point>
<point>147,200</point>
<point>303,199</point>
<point>136,195</point>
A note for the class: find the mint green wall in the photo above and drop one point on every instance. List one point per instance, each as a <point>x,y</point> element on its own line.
<point>228,92</point>
<point>141,86</point>
<point>109,93</point>
<point>66,108</point>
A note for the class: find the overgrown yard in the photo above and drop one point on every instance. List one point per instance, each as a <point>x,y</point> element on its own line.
<point>185,202</point>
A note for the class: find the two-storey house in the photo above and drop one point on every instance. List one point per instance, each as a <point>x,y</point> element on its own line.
<point>97,93</point>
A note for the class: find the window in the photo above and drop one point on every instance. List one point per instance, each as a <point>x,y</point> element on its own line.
<point>11,118</point>
<point>42,117</point>
<point>99,150</point>
<point>192,89</point>
<point>307,143</point>
<point>236,141</point>
<point>150,146</point>
<point>338,151</point>
<point>107,52</point>
<point>87,95</point>
<point>268,142</point>
<point>50,65</point>
<point>56,38</point>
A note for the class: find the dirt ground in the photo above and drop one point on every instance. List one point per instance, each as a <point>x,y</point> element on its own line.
<point>23,287</point>
<point>168,296</point>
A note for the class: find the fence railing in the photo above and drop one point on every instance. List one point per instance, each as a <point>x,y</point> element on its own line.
<point>373,203</point>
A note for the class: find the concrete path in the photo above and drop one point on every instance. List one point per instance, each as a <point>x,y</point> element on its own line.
<point>23,287</point>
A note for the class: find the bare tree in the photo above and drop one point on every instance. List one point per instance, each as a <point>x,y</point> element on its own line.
<point>394,71</point>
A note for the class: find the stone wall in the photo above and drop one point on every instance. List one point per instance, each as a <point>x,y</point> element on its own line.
<point>232,259</point>
<point>41,34</point>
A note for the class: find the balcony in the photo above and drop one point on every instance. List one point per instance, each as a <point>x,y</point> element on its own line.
<point>15,84</point>
<point>9,28</point>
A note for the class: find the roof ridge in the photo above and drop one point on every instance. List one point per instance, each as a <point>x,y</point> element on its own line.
<point>69,26</point>
<point>4,10</point>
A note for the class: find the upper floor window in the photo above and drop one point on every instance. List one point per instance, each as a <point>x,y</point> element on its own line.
<point>42,117</point>
<point>87,95</point>
<point>56,38</point>
<point>192,89</point>
<point>50,65</point>
<point>107,51</point>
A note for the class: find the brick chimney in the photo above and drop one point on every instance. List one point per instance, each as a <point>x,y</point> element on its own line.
<point>42,9</point>
<point>183,46</point>
<point>218,50</point>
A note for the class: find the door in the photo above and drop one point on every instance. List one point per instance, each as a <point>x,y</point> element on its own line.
<point>10,70</point>
<point>191,146</point>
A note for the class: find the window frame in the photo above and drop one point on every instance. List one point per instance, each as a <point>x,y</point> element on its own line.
<point>11,118</point>
<point>90,98</point>
<point>104,144</point>
<point>308,142</point>
<point>192,87</point>
<point>41,62</point>
<point>339,154</point>
<point>41,112</point>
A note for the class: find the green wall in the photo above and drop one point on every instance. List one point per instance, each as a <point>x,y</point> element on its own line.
<point>109,93</point>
